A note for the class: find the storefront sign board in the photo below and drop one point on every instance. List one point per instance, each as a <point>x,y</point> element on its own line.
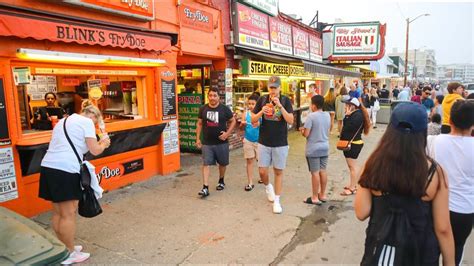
<point>65,71</point>
<point>79,33</point>
<point>252,28</point>
<point>268,6</point>
<point>263,68</point>
<point>170,138</point>
<point>280,37</point>
<point>141,9</point>
<point>369,74</point>
<point>8,184</point>
<point>196,19</point>
<point>315,48</point>
<point>21,75</point>
<point>356,39</point>
<point>4,133</point>
<point>188,108</point>
<point>300,43</point>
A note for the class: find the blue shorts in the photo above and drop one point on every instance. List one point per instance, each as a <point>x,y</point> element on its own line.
<point>275,156</point>
<point>316,164</point>
<point>212,154</point>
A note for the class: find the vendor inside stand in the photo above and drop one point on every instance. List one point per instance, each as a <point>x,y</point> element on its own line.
<point>46,116</point>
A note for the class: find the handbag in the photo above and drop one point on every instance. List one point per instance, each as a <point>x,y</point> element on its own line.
<point>345,145</point>
<point>376,105</point>
<point>88,204</point>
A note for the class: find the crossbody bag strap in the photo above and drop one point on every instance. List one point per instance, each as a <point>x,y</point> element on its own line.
<point>357,132</point>
<point>70,142</point>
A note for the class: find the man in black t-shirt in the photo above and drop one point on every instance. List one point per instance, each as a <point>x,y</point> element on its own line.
<point>212,121</point>
<point>277,112</point>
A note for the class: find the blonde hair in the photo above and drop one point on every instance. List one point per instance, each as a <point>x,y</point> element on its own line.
<point>87,107</point>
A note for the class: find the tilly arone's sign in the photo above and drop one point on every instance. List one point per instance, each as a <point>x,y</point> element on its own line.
<point>268,6</point>
<point>140,9</point>
<point>49,30</point>
<point>196,19</point>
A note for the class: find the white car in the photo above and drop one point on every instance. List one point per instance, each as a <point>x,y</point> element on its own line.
<point>469,87</point>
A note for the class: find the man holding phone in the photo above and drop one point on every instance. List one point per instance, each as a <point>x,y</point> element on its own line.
<point>277,112</point>
<point>212,121</point>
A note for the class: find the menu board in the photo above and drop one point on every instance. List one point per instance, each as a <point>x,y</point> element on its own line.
<point>168,98</point>
<point>280,36</point>
<point>300,43</point>
<point>315,48</point>
<point>4,134</point>
<point>40,85</point>
<point>170,138</point>
<point>252,27</point>
<point>8,184</point>
<point>188,107</point>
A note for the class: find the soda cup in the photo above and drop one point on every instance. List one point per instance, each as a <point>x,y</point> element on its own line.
<point>270,110</point>
<point>54,120</point>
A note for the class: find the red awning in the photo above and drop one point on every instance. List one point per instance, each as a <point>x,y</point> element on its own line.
<point>56,30</point>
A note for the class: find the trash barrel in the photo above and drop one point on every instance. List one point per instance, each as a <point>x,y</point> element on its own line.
<point>22,241</point>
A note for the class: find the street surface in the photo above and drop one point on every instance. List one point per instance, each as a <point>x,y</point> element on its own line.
<point>163,220</point>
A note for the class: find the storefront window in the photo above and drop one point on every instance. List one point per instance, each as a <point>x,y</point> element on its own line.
<point>49,98</point>
<point>194,80</point>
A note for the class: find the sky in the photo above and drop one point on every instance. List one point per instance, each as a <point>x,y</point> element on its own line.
<point>449,29</point>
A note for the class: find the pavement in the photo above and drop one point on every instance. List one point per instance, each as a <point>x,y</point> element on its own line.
<point>164,221</point>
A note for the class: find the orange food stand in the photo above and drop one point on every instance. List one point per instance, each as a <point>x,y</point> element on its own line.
<point>119,55</point>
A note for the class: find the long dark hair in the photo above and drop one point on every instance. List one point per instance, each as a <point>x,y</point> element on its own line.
<point>399,164</point>
<point>367,121</point>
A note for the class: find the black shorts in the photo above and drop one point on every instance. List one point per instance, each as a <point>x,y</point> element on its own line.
<point>57,186</point>
<point>354,152</point>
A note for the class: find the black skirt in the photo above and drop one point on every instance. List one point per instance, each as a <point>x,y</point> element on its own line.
<point>57,185</point>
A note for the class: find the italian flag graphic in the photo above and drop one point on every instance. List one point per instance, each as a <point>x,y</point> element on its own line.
<point>367,42</point>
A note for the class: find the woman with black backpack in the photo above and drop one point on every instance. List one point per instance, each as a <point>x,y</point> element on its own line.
<point>405,194</point>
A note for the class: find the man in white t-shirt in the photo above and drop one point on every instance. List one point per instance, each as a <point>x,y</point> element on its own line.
<point>455,153</point>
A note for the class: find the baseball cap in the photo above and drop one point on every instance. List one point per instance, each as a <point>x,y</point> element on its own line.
<point>409,117</point>
<point>351,100</point>
<point>274,81</point>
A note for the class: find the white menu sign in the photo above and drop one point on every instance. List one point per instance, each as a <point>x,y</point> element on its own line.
<point>8,184</point>
<point>171,138</point>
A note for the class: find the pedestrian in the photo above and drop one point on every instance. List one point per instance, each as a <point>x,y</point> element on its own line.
<point>438,109</point>
<point>316,131</point>
<point>404,95</point>
<point>405,194</point>
<point>374,106</point>
<point>434,127</point>
<point>330,105</point>
<point>417,97</point>
<point>426,100</point>
<point>60,173</point>
<point>455,153</point>
<point>250,140</point>
<point>212,123</point>
<point>365,98</point>
<point>355,122</point>
<point>340,109</point>
<point>455,92</point>
<point>384,92</point>
<point>354,93</point>
<point>395,93</point>
<point>277,113</point>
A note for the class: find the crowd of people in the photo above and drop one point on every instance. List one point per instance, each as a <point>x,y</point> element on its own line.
<point>420,172</point>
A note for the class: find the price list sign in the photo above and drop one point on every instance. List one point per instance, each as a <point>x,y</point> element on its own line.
<point>8,184</point>
<point>168,96</point>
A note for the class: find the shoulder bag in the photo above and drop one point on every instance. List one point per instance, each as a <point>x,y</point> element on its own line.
<point>345,145</point>
<point>88,204</point>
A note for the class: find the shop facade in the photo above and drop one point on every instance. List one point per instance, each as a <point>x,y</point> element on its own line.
<point>119,56</point>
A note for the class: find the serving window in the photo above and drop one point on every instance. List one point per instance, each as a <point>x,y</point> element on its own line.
<point>48,98</point>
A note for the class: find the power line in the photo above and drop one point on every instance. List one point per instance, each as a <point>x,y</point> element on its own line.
<point>401,12</point>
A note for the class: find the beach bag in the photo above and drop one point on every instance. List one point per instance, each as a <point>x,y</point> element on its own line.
<point>88,204</point>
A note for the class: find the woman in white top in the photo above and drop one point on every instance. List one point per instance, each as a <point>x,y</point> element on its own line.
<point>455,153</point>
<point>59,176</point>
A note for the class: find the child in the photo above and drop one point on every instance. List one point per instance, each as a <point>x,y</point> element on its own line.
<point>434,127</point>
<point>316,131</point>
<point>250,139</point>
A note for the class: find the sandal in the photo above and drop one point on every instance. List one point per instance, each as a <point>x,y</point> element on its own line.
<point>351,191</point>
<point>249,187</point>
<point>323,200</point>
<point>309,200</point>
<point>260,181</point>
<point>220,186</point>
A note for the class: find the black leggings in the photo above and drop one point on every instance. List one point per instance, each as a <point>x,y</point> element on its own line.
<point>462,225</point>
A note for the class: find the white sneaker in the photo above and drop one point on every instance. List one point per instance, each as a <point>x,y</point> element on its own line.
<point>78,248</point>
<point>270,193</point>
<point>277,208</point>
<point>76,257</point>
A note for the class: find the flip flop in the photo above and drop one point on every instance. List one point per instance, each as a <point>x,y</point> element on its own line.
<point>260,181</point>
<point>323,200</point>
<point>310,201</point>
<point>351,192</point>
<point>249,187</point>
